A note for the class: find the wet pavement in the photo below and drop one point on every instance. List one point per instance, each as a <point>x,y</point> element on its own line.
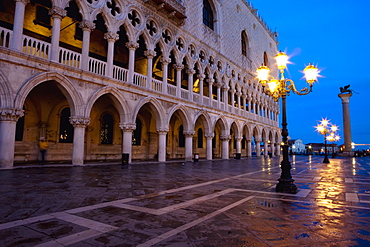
<point>206,203</point>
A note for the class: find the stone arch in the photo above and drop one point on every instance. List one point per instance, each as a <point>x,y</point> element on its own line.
<point>223,123</point>
<point>157,109</point>
<point>73,96</point>
<point>184,115</point>
<point>117,98</point>
<point>206,120</point>
<point>5,92</point>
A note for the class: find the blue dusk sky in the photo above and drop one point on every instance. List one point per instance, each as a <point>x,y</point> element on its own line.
<point>334,36</point>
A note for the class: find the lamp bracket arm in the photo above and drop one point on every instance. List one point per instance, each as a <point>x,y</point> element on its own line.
<point>291,87</point>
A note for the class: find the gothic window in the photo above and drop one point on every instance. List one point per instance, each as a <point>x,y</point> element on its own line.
<point>19,129</point>
<point>42,16</point>
<point>244,44</point>
<point>265,59</point>
<point>181,137</point>
<point>200,138</point>
<point>136,134</point>
<point>106,131</point>
<point>65,127</point>
<point>208,14</point>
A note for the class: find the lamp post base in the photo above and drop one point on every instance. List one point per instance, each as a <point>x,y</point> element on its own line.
<point>326,160</point>
<point>286,186</point>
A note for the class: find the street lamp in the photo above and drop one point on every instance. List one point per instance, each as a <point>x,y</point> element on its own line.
<point>280,88</point>
<point>328,130</point>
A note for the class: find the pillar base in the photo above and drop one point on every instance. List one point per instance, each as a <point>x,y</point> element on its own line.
<point>286,186</point>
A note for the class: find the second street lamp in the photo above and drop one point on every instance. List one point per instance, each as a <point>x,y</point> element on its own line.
<point>328,130</point>
<point>280,88</point>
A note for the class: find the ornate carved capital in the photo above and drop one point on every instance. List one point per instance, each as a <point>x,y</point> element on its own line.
<point>238,139</point>
<point>57,12</point>
<point>131,45</point>
<point>165,61</point>
<point>86,25</point>
<point>127,127</point>
<point>10,114</point>
<point>179,66</point>
<point>111,36</point>
<point>225,137</point>
<point>189,133</point>
<point>209,136</point>
<point>79,122</point>
<point>25,2</point>
<point>210,81</point>
<point>201,77</point>
<point>190,71</point>
<point>162,131</point>
<point>150,53</point>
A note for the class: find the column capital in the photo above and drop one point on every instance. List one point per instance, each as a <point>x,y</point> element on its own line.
<point>10,114</point>
<point>210,81</point>
<point>25,2</point>
<point>345,97</point>
<point>225,137</point>
<point>162,131</point>
<point>127,127</point>
<point>189,133</point>
<point>86,25</point>
<point>79,122</point>
<point>57,12</point>
<point>165,61</point>
<point>132,45</point>
<point>209,136</point>
<point>201,76</point>
<point>111,36</point>
<point>238,139</point>
<point>190,71</point>
<point>179,66</point>
<point>150,53</point>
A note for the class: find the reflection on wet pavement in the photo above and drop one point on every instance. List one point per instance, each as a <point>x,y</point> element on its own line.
<point>208,203</point>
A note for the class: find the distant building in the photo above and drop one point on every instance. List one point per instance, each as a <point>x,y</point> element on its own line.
<point>319,148</point>
<point>296,146</point>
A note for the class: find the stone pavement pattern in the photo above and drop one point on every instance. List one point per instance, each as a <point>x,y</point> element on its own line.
<point>207,203</point>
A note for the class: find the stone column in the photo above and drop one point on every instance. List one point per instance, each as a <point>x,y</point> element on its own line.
<point>87,27</point>
<point>232,94</point>
<point>225,146</point>
<point>238,145</point>
<point>149,73</point>
<point>79,124</point>
<point>249,148</point>
<point>178,68</point>
<point>201,78</point>
<point>219,85</point>
<point>8,121</point>
<point>162,144</point>
<point>189,145</point>
<point>277,146</point>
<point>165,63</point>
<point>57,14</point>
<point>16,42</point>
<point>112,37</point>
<point>209,153</point>
<point>258,148</point>
<point>210,83</point>
<point>225,89</point>
<point>190,73</point>
<point>127,130</point>
<point>132,46</point>
<point>346,121</point>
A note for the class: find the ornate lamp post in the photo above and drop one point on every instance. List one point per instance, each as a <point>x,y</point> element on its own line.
<point>328,130</point>
<point>280,88</point>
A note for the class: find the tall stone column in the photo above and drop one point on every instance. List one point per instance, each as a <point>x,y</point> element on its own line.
<point>87,27</point>
<point>190,73</point>
<point>149,73</point>
<point>219,85</point>
<point>225,146</point>
<point>127,130</point>
<point>258,148</point>
<point>210,91</point>
<point>8,121</point>
<point>20,6</point>
<point>79,124</point>
<point>209,138</point>
<point>112,37</point>
<point>346,121</point>
<point>249,148</point>
<point>189,145</point>
<point>165,63</point>
<point>178,68</point>
<point>238,145</point>
<point>162,144</point>
<point>132,46</point>
<point>57,15</point>
<point>201,79</point>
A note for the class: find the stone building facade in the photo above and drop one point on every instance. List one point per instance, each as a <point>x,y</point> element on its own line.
<point>146,78</point>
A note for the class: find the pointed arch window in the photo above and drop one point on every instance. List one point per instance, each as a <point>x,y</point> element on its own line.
<point>208,14</point>
<point>245,44</point>
<point>136,134</point>
<point>181,136</point>
<point>200,138</point>
<point>65,127</point>
<point>106,132</point>
<point>265,59</point>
